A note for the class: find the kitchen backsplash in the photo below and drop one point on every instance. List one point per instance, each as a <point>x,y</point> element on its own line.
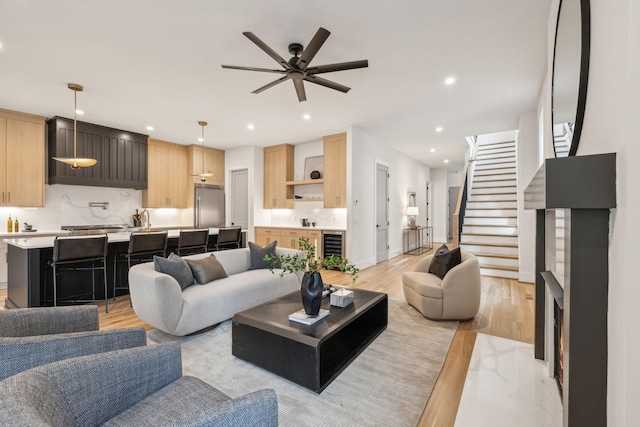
<point>313,211</point>
<point>69,205</point>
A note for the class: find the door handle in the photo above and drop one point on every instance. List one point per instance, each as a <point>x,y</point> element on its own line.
<point>377,226</point>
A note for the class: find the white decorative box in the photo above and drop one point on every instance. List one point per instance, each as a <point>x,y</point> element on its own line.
<point>342,298</point>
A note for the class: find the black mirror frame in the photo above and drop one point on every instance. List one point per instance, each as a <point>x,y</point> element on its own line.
<point>585,29</point>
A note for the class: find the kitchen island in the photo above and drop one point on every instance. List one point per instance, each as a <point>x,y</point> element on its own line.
<point>30,278</point>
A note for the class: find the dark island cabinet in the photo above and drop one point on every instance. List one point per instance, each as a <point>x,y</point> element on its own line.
<point>121,155</point>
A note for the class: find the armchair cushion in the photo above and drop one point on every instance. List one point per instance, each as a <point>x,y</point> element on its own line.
<point>24,322</point>
<point>444,260</point>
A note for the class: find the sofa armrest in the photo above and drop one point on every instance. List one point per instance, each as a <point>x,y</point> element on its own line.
<point>90,390</point>
<point>22,322</point>
<point>423,265</point>
<point>463,277</point>
<point>22,353</point>
<point>257,409</point>
<point>156,297</point>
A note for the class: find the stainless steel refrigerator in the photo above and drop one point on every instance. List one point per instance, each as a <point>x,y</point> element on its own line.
<point>208,206</point>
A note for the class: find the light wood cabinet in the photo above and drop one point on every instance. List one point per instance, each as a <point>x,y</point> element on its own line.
<point>167,176</point>
<point>335,171</point>
<point>213,163</point>
<point>264,236</point>
<point>315,238</point>
<point>278,169</point>
<point>22,162</point>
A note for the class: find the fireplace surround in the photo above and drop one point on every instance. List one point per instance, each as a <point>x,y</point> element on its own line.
<point>581,190</point>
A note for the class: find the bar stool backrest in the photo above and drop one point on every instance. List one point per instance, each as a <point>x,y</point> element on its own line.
<point>78,248</point>
<point>190,239</point>
<point>228,235</point>
<point>147,242</point>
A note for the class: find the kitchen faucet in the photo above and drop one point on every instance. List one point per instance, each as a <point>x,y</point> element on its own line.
<point>148,222</point>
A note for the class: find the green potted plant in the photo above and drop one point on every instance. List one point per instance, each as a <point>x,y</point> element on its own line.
<point>311,286</point>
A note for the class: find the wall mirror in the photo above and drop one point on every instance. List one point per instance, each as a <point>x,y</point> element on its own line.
<point>570,75</point>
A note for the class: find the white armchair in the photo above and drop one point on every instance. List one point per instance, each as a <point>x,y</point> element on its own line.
<point>455,297</point>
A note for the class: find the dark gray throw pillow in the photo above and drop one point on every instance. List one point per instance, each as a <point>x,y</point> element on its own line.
<point>176,267</point>
<point>257,255</point>
<point>207,269</point>
<point>444,260</point>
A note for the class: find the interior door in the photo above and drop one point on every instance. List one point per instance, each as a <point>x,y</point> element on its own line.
<point>239,209</point>
<point>382,213</point>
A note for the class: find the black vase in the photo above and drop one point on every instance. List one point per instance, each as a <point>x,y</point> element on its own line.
<point>311,292</point>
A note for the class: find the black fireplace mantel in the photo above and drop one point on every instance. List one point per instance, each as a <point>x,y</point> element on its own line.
<point>586,187</point>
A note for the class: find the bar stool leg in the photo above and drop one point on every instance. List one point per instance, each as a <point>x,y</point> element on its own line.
<point>55,286</point>
<point>106,295</point>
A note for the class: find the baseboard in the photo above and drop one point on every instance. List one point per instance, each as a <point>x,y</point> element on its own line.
<point>526,276</point>
<point>3,285</point>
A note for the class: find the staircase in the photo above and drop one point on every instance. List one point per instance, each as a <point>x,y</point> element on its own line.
<point>490,225</point>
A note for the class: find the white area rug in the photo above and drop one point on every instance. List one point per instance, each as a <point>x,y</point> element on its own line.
<point>388,384</point>
<point>507,387</point>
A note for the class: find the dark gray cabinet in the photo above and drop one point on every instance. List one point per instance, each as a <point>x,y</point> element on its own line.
<point>121,155</point>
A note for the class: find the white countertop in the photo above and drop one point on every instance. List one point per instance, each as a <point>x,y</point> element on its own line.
<point>33,241</point>
<point>34,233</point>
<point>300,227</point>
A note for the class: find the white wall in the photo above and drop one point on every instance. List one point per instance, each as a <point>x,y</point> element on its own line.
<point>611,115</point>
<point>364,151</point>
<point>527,165</point>
<point>439,202</point>
<point>508,135</point>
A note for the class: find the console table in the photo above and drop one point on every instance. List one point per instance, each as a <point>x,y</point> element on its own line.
<point>419,233</point>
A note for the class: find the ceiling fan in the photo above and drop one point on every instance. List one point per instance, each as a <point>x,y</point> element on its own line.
<point>297,68</point>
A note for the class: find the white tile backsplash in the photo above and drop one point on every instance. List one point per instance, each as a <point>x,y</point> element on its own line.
<point>313,211</point>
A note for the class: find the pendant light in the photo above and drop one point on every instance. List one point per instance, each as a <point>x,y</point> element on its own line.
<point>75,162</point>
<point>203,176</point>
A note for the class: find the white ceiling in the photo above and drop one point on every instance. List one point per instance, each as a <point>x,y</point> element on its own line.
<point>157,62</point>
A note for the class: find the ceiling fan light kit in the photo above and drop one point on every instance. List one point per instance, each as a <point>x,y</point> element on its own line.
<point>297,69</point>
<point>75,162</point>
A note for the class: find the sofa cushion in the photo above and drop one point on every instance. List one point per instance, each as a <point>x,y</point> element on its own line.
<point>207,269</point>
<point>257,255</point>
<point>444,260</point>
<point>175,267</point>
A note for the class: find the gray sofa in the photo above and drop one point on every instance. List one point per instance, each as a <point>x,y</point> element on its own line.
<point>32,337</point>
<point>133,387</point>
<point>158,299</point>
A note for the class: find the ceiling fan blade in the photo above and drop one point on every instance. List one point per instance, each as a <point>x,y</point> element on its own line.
<point>272,84</point>
<point>352,65</point>
<point>302,96</point>
<point>312,48</point>
<point>272,53</point>
<point>264,70</point>
<point>327,83</point>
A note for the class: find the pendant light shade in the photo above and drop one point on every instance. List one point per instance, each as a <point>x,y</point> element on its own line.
<point>75,162</point>
<point>203,176</point>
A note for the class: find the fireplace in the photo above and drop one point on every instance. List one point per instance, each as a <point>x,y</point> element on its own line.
<point>558,357</point>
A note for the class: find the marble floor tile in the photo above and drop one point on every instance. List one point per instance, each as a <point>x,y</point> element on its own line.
<point>507,387</point>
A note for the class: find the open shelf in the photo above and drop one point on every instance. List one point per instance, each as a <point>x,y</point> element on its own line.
<point>306,182</point>
<point>304,200</point>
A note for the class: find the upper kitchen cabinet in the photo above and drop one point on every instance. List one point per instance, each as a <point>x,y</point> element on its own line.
<point>335,171</point>
<point>167,178</point>
<point>22,163</point>
<point>278,169</point>
<point>121,155</point>
<point>213,163</point>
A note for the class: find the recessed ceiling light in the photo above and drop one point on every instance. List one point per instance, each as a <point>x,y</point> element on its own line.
<point>306,117</point>
<point>433,150</point>
<point>149,127</point>
<point>80,112</point>
<point>200,140</point>
<point>250,126</point>
<point>450,80</point>
<point>446,160</point>
<point>439,129</point>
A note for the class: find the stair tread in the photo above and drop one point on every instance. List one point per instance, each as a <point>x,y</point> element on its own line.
<point>499,267</point>
<point>501,245</point>
<point>489,217</point>
<point>487,225</point>
<point>490,209</point>
<point>485,254</point>
<point>487,234</point>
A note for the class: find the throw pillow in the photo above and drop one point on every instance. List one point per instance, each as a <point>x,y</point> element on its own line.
<point>257,255</point>
<point>207,269</point>
<point>444,260</point>
<point>176,267</point>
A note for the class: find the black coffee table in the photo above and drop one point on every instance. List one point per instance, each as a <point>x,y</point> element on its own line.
<point>311,356</point>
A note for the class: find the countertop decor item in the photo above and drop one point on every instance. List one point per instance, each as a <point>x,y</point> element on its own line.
<point>311,287</point>
<point>76,162</point>
<point>314,175</point>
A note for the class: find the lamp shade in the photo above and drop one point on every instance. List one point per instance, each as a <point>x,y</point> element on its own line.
<point>413,210</point>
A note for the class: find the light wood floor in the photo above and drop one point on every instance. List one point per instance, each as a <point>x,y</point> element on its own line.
<point>506,311</point>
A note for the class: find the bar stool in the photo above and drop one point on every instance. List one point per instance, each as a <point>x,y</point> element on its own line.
<point>193,241</point>
<point>228,238</point>
<point>142,248</point>
<point>80,254</point>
